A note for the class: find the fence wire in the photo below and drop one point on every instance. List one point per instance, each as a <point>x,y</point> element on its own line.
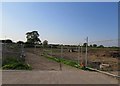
<point>12,51</point>
<point>101,55</point>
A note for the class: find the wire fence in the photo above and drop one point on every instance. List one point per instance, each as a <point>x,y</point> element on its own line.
<point>101,55</point>
<point>12,51</point>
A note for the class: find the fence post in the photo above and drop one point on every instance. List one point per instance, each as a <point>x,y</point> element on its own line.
<point>86,56</point>
<point>22,51</point>
<point>51,49</point>
<point>61,57</point>
<point>1,53</point>
<point>79,54</point>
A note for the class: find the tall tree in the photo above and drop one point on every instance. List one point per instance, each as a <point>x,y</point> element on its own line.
<point>45,43</point>
<point>94,45</point>
<point>32,37</point>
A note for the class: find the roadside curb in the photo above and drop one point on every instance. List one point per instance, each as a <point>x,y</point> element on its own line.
<point>106,73</point>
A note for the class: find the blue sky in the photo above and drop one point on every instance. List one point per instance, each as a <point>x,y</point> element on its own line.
<point>67,23</point>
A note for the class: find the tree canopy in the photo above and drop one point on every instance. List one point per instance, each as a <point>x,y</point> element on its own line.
<point>45,43</point>
<point>94,45</point>
<point>100,46</point>
<point>84,45</point>
<point>20,42</point>
<point>33,37</point>
<point>7,41</point>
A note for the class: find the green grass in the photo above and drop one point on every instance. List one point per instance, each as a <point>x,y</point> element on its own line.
<point>17,66</point>
<point>67,62</point>
<point>14,64</point>
<point>9,60</point>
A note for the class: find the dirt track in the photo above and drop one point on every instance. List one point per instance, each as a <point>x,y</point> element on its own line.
<point>42,63</point>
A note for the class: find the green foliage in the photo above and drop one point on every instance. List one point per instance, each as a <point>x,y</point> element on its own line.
<point>94,45</point>
<point>71,63</point>
<point>9,60</point>
<point>20,42</point>
<point>45,43</point>
<point>13,63</point>
<point>29,45</point>
<point>32,37</point>
<point>90,46</point>
<point>7,41</point>
<point>51,58</point>
<point>67,62</point>
<point>17,66</point>
<point>84,45</point>
<point>100,46</point>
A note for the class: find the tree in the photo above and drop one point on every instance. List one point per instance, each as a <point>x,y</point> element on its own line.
<point>94,45</point>
<point>32,37</point>
<point>100,46</point>
<point>84,45</point>
<point>45,43</point>
<point>7,41</point>
<point>90,45</point>
<point>20,42</point>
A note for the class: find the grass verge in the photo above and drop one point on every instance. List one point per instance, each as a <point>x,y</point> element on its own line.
<point>67,62</point>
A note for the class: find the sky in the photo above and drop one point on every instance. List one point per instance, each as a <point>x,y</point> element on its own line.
<point>60,22</point>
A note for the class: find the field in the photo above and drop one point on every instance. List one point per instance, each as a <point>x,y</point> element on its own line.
<point>105,59</point>
<point>96,56</point>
